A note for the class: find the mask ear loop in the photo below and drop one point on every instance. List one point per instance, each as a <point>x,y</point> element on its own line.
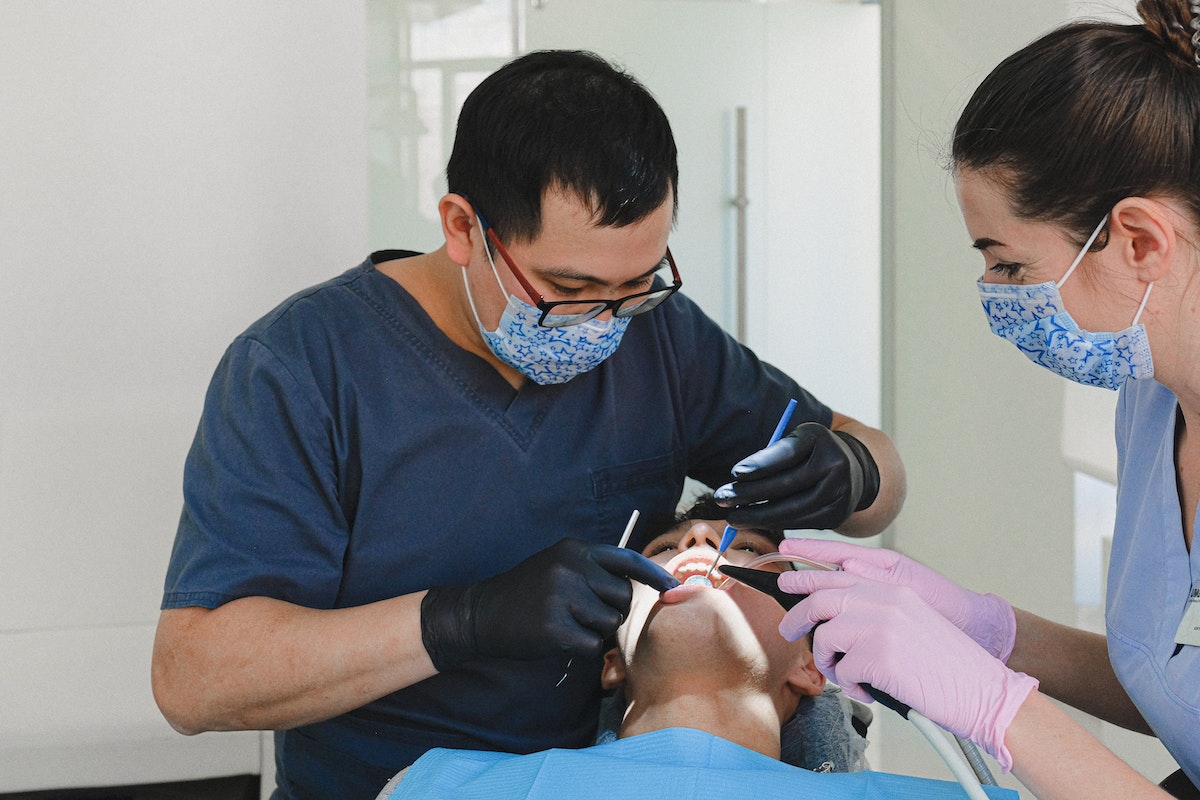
<point>487,251</point>
<point>471,300</point>
<point>1142,307</point>
<point>1079,258</point>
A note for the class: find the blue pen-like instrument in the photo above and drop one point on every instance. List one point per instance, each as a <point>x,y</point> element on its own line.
<point>730,531</point>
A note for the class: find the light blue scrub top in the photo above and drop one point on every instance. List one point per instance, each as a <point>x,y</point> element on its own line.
<point>1151,575</point>
<point>679,763</point>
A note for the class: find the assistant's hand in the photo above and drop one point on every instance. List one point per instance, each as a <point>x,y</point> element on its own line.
<point>986,618</point>
<point>812,478</point>
<point>886,636</point>
<point>565,600</point>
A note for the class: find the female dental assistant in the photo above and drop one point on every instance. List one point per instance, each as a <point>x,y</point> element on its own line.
<point>1077,163</point>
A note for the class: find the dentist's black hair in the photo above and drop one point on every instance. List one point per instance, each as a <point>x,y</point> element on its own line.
<point>567,120</point>
<point>1087,115</point>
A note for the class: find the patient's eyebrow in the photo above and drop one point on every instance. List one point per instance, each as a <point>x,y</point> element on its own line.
<point>986,243</point>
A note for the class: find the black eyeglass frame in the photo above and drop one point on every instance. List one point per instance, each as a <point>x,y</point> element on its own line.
<point>546,307</point>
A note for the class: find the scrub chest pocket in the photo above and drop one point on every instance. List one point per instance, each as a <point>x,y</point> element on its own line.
<point>652,486</point>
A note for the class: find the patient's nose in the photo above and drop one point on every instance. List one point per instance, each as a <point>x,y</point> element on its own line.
<point>700,533</point>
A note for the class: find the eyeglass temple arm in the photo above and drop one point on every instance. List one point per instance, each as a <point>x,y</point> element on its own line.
<point>674,269</point>
<point>526,285</point>
<point>534,294</point>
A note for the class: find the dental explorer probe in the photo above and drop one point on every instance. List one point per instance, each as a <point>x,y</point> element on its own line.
<point>730,531</point>
<point>633,518</point>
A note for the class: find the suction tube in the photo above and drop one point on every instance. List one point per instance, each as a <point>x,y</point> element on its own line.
<point>780,558</point>
<point>954,760</point>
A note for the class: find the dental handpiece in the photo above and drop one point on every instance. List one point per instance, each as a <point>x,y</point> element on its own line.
<point>730,531</point>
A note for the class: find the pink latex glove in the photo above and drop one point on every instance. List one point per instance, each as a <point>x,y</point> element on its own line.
<point>887,636</point>
<point>986,618</point>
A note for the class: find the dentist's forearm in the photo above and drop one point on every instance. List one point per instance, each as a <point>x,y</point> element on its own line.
<point>263,664</point>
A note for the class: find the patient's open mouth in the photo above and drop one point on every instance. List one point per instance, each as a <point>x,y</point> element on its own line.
<point>695,569</point>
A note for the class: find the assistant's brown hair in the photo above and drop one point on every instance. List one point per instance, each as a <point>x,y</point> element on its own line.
<point>1089,114</point>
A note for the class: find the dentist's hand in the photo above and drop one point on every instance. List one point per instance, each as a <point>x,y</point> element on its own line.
<point>986,618</point>
<point>812,478</point>
<point>565,600</point>
<point>886,636</point>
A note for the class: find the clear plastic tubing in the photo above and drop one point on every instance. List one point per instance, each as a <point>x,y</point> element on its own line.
<point>776,558</point>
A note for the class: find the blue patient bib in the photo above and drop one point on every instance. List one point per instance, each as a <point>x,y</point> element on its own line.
<point>677,762</point>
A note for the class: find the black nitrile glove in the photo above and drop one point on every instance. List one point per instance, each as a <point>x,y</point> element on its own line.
<point>565,600</point>
<point>812,478</point>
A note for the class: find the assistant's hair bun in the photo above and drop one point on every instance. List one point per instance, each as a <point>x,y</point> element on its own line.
<point>1175,23</point>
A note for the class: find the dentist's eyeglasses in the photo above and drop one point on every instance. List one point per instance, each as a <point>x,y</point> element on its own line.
<point>562,313</point>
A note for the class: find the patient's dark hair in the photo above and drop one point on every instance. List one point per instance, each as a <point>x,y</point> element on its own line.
<point>705,507</point>
<point>1089,114</point>
<point>568,120</point>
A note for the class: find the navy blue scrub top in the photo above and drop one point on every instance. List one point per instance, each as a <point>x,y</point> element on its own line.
<point>349,452</point>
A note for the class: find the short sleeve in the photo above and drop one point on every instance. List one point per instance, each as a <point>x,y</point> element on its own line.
<point>261,513</point>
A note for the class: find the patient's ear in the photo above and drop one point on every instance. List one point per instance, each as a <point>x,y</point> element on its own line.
<point>612,676</point>
<point>804,677</point>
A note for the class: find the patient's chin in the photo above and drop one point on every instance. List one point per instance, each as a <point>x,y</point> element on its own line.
<point>705,625</point>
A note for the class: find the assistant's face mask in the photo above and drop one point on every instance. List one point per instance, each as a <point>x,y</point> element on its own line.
<point>546,355</point>
<point>1034,319</point>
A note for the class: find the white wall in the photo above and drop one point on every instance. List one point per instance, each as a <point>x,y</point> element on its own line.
<point>171,170</point>
<point>817,308</point>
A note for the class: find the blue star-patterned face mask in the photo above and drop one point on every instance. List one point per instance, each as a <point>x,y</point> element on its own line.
<point>547,355</point>
<point>1034,319</point>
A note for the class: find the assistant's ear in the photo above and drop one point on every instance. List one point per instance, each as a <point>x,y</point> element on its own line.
<point>459,227</point>
<point>612,676</point>
<point>1144,230</point>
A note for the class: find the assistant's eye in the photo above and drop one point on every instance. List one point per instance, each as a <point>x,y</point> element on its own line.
<point>1008,270</point>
